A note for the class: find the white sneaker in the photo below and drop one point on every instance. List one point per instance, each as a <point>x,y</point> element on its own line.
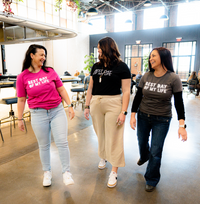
<point>67,178</point>
<point>102,164</point>
<point>112,181</point>
<point>47,178</point>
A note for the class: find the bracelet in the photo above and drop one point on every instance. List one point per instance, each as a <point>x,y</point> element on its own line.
<point>70,105</point>
<point>87,107</point>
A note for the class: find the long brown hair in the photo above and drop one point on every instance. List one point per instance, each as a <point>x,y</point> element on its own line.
<point>192,76</point>
<point>110,53</point>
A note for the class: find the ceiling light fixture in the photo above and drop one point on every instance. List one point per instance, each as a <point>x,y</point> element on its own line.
<point>164,17</point>
<point>147,3</point>
<point>92,12</point>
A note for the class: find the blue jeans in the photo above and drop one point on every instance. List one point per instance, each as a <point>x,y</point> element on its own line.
<point>43,122</point>
<point>158,126</point>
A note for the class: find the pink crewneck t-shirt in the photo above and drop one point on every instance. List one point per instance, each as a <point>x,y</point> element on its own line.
<point>41,88</point>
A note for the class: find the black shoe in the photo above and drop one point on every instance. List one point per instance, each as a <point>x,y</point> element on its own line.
<point>140,162</point>
<point>149,188</point>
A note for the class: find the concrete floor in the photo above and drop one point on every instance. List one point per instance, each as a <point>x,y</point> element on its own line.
<point>21,172</point>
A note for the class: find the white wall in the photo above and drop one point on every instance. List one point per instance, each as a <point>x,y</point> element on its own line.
<point>62,55</point>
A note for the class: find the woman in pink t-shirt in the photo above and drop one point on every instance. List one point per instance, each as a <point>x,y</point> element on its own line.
<point>45,92</point>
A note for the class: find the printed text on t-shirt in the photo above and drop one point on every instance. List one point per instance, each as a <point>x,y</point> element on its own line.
<point>100,72</point>
<point>155,87</point>
<point>37,82</point>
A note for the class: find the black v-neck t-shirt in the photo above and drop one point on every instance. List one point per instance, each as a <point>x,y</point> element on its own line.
<point>111,78</point>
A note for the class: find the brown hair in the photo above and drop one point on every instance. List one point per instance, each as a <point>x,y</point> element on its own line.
<point>110,53</point>
<point>165,58</point>
<point>192,76</point>
<point>33,49</point>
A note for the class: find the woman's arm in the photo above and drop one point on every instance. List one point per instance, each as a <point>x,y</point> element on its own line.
<point>135,106</point>
<point>178,103</point>
<point>88,99</point>
<point>20,109</point>
<point>62,91</point>
<point>126,83</point>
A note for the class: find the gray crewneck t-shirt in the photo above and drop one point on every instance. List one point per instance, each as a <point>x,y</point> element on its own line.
<point>157,93</point>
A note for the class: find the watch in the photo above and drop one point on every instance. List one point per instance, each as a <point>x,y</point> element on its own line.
<point>183,126</point>
<point>124,112</point>
<point>70,105</point>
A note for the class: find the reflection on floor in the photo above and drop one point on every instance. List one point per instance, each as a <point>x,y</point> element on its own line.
<point>21,175</point>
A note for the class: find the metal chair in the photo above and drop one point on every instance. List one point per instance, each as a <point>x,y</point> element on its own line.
<point>80,93</point>
<point>192,85</point>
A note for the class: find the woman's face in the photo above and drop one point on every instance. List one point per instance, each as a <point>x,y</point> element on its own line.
<point>99,50</point>
<point>39,57</point>
<point>155,60</point>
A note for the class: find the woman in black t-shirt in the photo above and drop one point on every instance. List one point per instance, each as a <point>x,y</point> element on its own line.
<point>107,107</point>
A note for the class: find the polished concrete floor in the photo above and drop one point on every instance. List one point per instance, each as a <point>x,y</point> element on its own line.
<point>21,172</point>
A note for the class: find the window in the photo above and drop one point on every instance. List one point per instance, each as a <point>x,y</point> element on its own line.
<point>188,13</point>
<point>134,55</point>
<point>120,19</point>
<point>183,57</point>
<point>152,18</point>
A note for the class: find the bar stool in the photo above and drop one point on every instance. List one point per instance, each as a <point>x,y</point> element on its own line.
<point>11,118</point>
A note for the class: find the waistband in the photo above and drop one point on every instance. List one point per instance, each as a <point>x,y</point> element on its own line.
<point>106,96</point>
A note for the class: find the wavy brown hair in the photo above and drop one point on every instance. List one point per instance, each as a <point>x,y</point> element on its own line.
<point>110,53</point>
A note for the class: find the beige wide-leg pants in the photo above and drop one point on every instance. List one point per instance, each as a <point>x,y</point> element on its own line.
<point>104,111</point>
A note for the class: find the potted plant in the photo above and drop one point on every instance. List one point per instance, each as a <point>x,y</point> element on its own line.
<point>73,4</point>
<point>89,62</point>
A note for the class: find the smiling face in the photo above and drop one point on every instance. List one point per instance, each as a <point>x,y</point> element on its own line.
<point>155,60</point>
<point>39,57</point>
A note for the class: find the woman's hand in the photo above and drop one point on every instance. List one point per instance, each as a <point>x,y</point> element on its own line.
<point>133,121</point>
<point>182,133</point>
<point>21,125</point>
<point>120,119</point>
<point>71,113</point>
<point>87,113</point>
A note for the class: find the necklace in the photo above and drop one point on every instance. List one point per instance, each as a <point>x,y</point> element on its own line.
<point>100,77</point>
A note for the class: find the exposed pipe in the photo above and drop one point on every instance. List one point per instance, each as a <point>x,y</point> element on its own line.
<point>122,6</point>
<point>111,6</point>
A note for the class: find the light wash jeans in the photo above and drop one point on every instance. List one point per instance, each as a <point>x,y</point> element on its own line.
<point>43,122</point>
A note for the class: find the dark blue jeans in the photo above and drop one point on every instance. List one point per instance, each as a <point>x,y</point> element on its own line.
<point>158,126</point>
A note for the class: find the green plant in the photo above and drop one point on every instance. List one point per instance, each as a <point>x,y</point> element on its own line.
<point>58,5</point>
<point>74,4</point>
<point>146,62</point>
<point>89,62</point>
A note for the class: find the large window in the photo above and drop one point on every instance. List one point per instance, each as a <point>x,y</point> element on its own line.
<point>134,56</point>
<point>183,56</point>
<point>44,11</point>
<point>152,18</point>
<point>120,22</point>
<point>188,13</point>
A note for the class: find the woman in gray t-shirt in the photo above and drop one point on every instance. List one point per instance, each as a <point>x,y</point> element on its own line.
<point>153,99</point>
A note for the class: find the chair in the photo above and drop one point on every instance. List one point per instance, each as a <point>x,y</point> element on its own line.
<point>11,118</point>
<point>80,93</point>
<point>192,85</point>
